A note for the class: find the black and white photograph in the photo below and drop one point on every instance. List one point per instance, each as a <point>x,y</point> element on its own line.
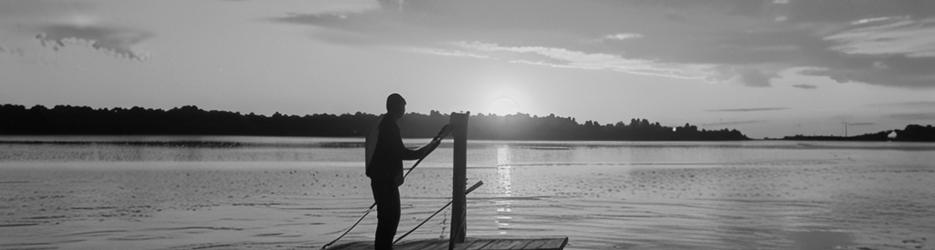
<point>467,124</point>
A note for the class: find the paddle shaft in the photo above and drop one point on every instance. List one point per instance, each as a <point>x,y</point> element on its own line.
<point>468,191</point>
<point>369,209</point>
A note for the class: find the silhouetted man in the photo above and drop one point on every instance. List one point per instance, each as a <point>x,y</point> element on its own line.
<point>385,168</point>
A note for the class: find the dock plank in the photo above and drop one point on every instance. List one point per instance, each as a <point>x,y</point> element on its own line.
<point>555,244</point>
<point>503,244</point>
<point>424,244</point>
<point>535,244</point>
<point>477,243</point>
<point>471,243</point>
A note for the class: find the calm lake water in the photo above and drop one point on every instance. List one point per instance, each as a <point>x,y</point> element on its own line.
<point>191,192</point>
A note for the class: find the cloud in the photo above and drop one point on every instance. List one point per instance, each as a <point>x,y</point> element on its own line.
<point>11,51</point>
<point>622,36</point>
<point>830,11</point>
<point>886,43</point>
<point>890,36</point>
<point>914,116</point>
<point>40,8</point>
<point>676,17</point>
<point>892,51</point>
<point>907,104</point>
<point>731,123</point>
<point>898,71</point>
<point>748,109</point>
<point>56,24</point>
<point>565,58</point>
<point>118,41</point>
<point>860,123</point>
<point>876,19</point>
<point>518,25</point>
<point>444,52</point>
<point>321,19</point>
<point>754,77</point>
<point>805,86</point>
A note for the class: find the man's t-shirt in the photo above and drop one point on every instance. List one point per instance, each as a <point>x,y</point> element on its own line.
<point>386,161</point>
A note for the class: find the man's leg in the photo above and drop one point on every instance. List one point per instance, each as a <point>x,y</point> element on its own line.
<point>386,194</point>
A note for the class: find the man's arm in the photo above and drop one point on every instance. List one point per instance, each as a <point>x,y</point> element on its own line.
<point>409,154</point>
<point>400,148</point>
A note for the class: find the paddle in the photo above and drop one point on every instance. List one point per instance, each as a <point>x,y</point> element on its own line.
<point>441,135</point>
<point>475,186</point>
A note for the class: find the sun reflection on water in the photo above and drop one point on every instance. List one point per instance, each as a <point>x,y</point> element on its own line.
<point>504,205</point>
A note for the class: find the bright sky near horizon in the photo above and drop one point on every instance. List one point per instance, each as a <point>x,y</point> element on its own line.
<point>767,68</point>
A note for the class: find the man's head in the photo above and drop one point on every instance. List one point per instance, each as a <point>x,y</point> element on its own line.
<point>395,105</point>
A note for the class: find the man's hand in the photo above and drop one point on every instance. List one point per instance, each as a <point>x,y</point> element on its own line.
<point>428,148</point>
<point>446,130</point>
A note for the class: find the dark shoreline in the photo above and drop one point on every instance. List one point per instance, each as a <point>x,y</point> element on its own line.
<point>65,120</point>
<point>911,133</point>
<point>190,120</point>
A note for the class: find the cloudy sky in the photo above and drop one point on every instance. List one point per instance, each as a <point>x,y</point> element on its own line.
<point>768,68</point>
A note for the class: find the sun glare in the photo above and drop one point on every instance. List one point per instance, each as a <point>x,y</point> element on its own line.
<point>504,105</point>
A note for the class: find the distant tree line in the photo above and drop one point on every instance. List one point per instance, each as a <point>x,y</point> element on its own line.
<point>190,120</point>
<point>912,132</point>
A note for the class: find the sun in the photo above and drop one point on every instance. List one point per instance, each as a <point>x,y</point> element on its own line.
<point>504,105</point>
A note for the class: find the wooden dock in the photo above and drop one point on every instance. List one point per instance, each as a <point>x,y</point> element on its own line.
<point>480,243</point>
